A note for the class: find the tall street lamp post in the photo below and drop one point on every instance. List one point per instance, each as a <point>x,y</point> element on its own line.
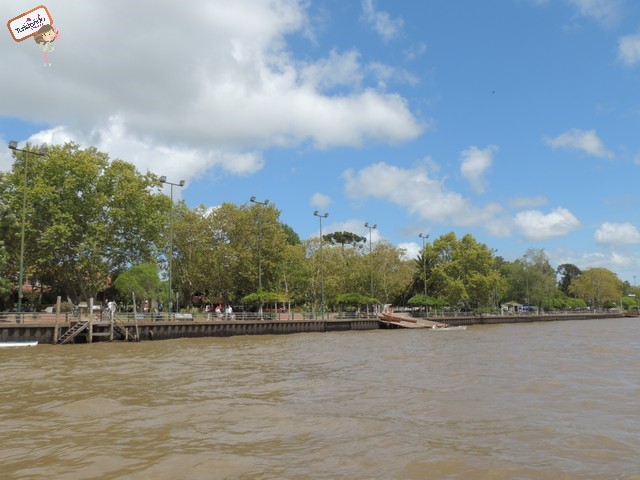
<point>163,179</point>
<point>264,204</point>
<point>424,267</point>
<point>13,145</point>
<point>370,227</point>
<point>320,217</point>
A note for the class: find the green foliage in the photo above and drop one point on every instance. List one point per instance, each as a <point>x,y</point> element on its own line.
<point>141,280</point>
<point>531,279</point>
<point>345,238</point>
<point>354,299</point>
<point>86,217</point>
<point>89,217</point>
<point>220,250</point>
<point>292,237</point>
<point>460,271</point>
<point>65,307</point>
<point>568,272</point>
<point>261,297</point>
<point>422,300</point>
<point>598,286</point>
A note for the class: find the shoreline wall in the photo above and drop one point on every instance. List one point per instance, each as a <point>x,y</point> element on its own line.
<point>498,319</point>
<point>164,330</point>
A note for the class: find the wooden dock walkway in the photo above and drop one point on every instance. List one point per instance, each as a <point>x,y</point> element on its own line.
<point>400,320</point>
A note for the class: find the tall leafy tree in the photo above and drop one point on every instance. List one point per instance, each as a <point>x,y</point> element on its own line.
<point>6,219</point>
<point>599,287</point>
<point>87,215</point>
<point>458,270</point>
<point>142,280</point>
<point>345,238</point>
<point>220,250</point>
<point>531,279</point>
<point>392,273</point>
<point>567,272</point>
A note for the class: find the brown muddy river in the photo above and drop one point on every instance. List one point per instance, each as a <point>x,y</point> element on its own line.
<point>539,401</point>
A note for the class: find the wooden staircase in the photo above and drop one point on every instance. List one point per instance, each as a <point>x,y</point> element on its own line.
<point>82,326</point>
<point>120,329</point>
<point>79,327</point>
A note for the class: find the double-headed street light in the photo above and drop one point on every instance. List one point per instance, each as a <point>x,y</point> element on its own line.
<point>264,204</point>
<point>13,145</point>
<point>320,217</point>
<point>370,227</point>
<point>163,179</point>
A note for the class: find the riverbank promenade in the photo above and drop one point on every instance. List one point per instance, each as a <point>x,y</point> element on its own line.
<point>49,328</point>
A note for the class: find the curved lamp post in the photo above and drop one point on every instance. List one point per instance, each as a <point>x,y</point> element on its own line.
<point>13,145</point>
<point>163,179</point>
<point>370,227</point>
<point>264,204</point>
<point>320,217</point>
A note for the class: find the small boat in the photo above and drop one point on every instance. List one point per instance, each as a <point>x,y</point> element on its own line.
<point>18,344</point>
<point>449,328</point>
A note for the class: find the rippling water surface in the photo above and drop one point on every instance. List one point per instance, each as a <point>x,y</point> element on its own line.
<point>540,401</point>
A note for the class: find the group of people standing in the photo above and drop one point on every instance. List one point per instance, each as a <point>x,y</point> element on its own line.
<point>219,312</point>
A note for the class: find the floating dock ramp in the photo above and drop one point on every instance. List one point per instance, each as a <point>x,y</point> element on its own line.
<point>400,320</point>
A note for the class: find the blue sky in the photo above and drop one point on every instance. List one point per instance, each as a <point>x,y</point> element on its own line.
<point>513,120</point>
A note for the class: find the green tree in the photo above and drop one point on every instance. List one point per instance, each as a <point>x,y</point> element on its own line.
<point>5,274</point>
<point>296,275</point>
<point>531,279</point>
<point>458,270</point>
<point>392,273</point>
<point>292,237</point>
<point>142,280</point>
<point>598,287</point>
<point>345,238</point>
<point>87,216</point>
<point>220,250</point>
<point>568,272</point>
<point>539,276</point>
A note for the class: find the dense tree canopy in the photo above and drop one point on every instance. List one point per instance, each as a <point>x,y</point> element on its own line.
<point>599,287</point>
<point>90,220</point>
<point>86,216</point>
<point>460,271</point>
<point>531,279</point>
<point>568,273</point>
<point>141,282</point>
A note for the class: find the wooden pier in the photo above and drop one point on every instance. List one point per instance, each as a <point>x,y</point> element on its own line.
<point>91,331</point>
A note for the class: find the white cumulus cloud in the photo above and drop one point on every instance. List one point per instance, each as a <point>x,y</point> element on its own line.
<point>411,250</point>
<point>475,162</point>
<point>585,141</point>
<point>629,49</point>
<point>535,225</point>
<point>214,87</point>
<point>381,22</point>
<point>171,160</point>
<point>617,234</point>
<point>321,201</point>
<point>423,196</point>
<point>605,12</point>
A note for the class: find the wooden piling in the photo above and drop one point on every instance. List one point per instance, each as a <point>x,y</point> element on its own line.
<point>56,330</point>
